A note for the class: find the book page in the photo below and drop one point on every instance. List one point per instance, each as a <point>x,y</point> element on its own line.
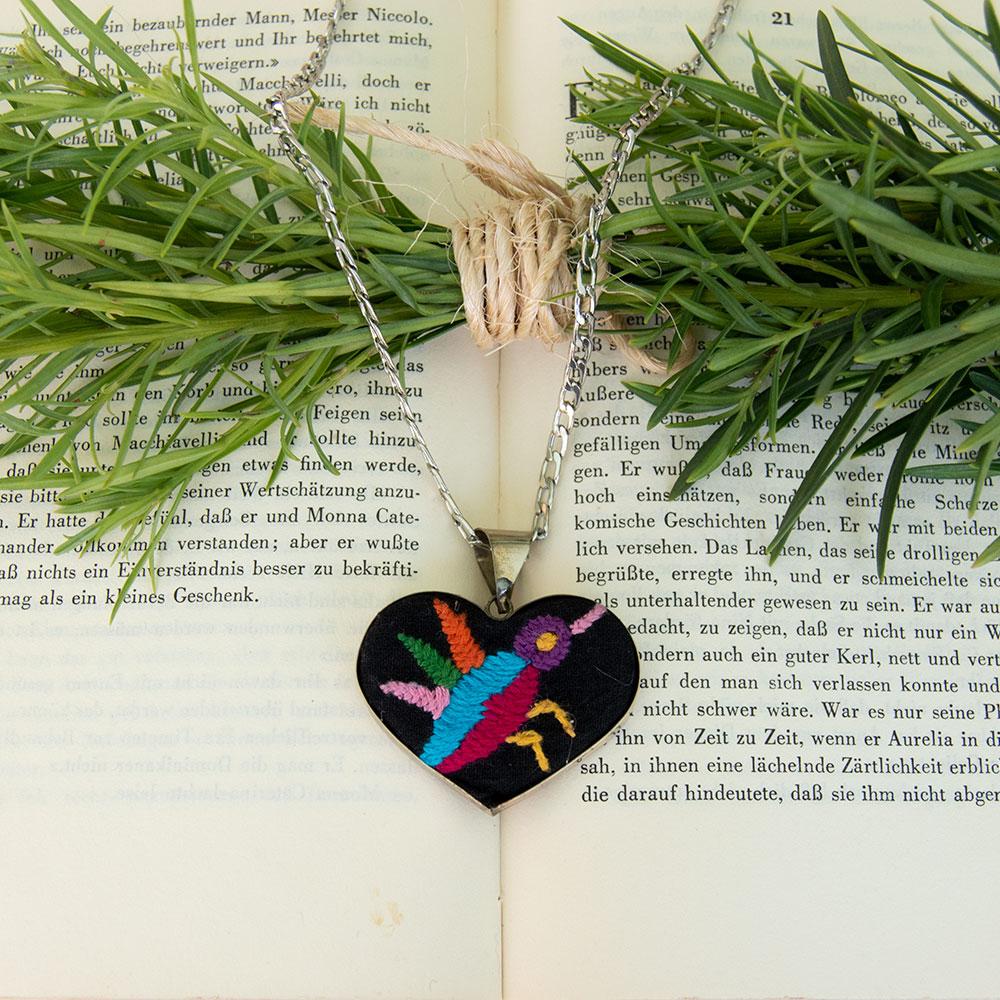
<point>803,800</point>
<point>195,800</point>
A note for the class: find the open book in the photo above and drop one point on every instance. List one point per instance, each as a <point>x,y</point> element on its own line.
<point>196,800</point>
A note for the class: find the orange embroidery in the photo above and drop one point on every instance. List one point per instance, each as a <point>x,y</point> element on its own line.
<point>465,651</point>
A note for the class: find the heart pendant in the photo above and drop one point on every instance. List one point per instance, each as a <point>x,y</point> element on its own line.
<point>496,707</point>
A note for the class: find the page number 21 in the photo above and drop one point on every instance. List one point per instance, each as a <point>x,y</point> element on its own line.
<point>782,17</point>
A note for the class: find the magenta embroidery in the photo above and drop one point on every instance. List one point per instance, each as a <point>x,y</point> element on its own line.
<point>481,700</point>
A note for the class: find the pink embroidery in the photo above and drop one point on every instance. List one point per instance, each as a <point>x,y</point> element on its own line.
<point>433,700</point>
<point>585,621</point>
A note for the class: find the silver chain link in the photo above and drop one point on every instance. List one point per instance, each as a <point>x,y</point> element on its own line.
<point>586,293</point>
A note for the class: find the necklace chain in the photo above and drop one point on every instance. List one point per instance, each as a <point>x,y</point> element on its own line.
<point>586,292</point>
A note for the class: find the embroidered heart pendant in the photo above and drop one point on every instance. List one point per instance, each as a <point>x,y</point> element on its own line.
<point>496,707</point>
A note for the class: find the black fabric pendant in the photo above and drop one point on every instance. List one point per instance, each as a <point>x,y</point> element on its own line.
<point>496,707</point>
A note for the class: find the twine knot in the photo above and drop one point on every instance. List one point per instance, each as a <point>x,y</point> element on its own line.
<point>512,258</point>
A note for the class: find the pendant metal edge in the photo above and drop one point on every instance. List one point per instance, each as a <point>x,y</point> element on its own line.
<point>423,768</point>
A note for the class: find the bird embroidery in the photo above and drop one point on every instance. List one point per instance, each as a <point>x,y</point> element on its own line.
<point>479,701</point>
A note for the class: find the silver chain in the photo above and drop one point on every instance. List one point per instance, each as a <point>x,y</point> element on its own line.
<point>586,294</point>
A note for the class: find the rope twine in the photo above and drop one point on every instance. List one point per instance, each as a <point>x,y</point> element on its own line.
<point>512,258</point>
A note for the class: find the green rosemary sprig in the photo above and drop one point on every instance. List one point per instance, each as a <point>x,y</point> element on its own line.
<point>980,444</point>
<point>169,268</point>
<point>835,241</point>
<point>835,244</point>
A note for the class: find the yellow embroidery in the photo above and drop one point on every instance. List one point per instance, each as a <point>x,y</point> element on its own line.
<point>529,738</point>
<point>546,641</point>
<point>550,707</point>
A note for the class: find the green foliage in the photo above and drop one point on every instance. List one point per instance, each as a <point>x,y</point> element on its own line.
<point>169,268</point>
<point>439,669</point>
<point>836,242</point>
<point>981,444</point>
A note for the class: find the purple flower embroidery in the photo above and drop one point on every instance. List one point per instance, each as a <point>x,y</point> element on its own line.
<point>543,642</point>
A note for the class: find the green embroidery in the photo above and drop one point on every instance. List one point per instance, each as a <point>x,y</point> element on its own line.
<point>437,667</point>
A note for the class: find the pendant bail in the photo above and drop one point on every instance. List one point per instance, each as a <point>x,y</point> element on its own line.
<point>501,556</point>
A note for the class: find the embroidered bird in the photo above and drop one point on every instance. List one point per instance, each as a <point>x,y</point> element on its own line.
<point>480,702</point>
